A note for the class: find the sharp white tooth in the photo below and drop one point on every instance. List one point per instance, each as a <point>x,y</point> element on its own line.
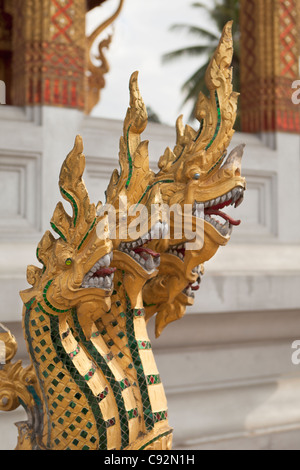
<point>236,194</point>
<point>142,261</point>
<point>157,230</point>
<point>92,282</point>
<point>101,280</point>
<point>165,230</point>
<point>217,201</point>
<point>207,218</point>
<point>211,203</point>
<point>107,282</point>
<point>137,257</point>
<point>223,198</point>
<point>156,262</point>
<point>225,228</point>
<point>179,247</point>
<point>106,260</point>
<point>149,264</point>
<point>94,269</point>
<point>189,291</point>
<point>134,244</point>
<point>229,196</point>
<point>180,255</point>
<point>132,253</point>
<point>239,201</point>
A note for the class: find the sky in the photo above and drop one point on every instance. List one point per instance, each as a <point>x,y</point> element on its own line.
<point>141,36</point>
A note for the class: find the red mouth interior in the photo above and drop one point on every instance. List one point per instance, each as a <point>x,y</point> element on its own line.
<point>194,288</point>
<point>142,249</point>
<point>182,251</point>
<point>215,210</point>
<point>104,272</point>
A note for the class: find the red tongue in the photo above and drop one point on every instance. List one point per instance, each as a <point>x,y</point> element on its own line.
<point>222,214</point>
<point>196,287</point>
<point>142,249</point>
<point>104,272</point>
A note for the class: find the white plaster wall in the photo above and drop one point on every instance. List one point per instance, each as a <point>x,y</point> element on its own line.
<point>227,365</point>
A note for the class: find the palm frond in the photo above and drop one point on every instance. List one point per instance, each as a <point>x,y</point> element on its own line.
<point>195,31</point>
<point>219,12</point>
<point>186,51</point>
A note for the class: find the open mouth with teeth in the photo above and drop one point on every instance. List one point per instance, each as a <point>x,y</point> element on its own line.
<point>140,252</point>
<point>213,214</point>
<point>100,275</point>
<point>190,289</point>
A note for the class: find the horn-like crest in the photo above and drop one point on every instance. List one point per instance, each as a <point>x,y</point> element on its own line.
<point>72,188</point>
<point>216,114</point>
<point>135,174</point>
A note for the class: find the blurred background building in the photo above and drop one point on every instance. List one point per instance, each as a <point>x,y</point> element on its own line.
<point>227,366</point>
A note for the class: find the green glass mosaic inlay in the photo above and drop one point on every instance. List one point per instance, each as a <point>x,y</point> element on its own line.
<point>90,373</point>
<point>102,395</point>
<point>86,235</point>
<point>151,186</point>
<point>74,353</point>
<point>144,344</point>
<point>75,404</point>
<point>160,415</point>
<point>47,302</point>
<point>73,202</point>
<point>114,385</point>
<point>153,379</point>
<point>132,413</point>
<point>218,122</point>
<point>134,350</point>
<point>129,158</point>
<point>58,231</point>
<point>124,384</point>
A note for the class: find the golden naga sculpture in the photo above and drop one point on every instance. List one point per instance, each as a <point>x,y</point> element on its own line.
<point>93,382</point>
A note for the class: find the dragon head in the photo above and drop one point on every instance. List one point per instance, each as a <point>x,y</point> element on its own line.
<point>198,173</point>
<point>76,270</point>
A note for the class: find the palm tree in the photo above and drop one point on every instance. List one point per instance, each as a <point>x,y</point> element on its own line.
<point>220,12</point>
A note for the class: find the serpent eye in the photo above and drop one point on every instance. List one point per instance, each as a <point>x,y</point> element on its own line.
<point>68,262</point>
<point>196,176</point>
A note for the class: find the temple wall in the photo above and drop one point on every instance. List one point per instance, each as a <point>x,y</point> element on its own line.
<point>226,365</point>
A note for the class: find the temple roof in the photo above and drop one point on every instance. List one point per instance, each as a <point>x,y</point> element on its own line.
<point>90,4</point>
